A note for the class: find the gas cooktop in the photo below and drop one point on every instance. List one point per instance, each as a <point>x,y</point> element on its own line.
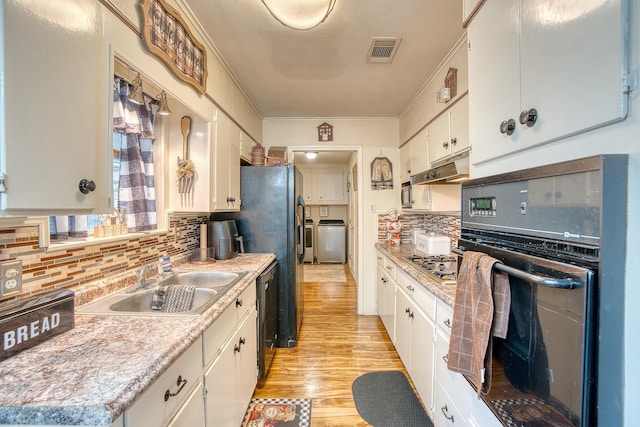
<point>440,268</point>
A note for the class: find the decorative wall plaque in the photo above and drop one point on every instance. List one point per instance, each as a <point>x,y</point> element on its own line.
<point>167,36</point>
<point>451,81</point>
<point>325,132</point>
<point>381,174</point>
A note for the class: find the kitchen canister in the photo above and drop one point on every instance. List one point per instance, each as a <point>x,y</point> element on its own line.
<point>257,155</point>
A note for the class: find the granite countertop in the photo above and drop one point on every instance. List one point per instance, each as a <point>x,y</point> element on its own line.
<point>92,373</point>
<point>399,253</point>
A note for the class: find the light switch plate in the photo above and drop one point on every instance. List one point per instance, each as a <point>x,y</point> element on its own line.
<point>10,277</point>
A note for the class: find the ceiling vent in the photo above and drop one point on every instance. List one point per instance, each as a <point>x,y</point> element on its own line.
<point>383,49</point>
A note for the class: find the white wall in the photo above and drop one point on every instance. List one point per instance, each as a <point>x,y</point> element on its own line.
<point>371,137</point>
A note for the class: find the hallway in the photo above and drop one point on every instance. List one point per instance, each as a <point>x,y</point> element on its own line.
<point>336,346</point>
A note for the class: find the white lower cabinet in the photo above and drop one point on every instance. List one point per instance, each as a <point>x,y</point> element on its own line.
<point>232,377</point>
<point>415,329</point>
<point>166,395</point>
<point>422,331</point>
<point>191,414</point>
<point>386,294</point>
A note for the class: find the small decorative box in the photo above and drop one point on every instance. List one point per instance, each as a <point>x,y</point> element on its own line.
<point>28,322</point>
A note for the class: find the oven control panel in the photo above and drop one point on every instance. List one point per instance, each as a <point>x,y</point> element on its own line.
<point>482,206</point>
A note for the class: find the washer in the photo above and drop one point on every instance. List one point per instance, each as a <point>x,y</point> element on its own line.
<point>331,246</point>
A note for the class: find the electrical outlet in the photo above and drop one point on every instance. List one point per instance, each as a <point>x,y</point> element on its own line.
<point>10,277</point>
<point>372,207</point>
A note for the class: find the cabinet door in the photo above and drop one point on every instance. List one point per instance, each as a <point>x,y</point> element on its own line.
<point>419,153</point>
<point>380,291</point>
<point>307,184</point>
<point>405,162</point>
<point>404,308</point>
<point>54,102</point>
<point>494,82</point>
<point>231,379</point>
<point>225,175</point>
<point>422,348</point>
<point>192,412</point>
<point>330,185</point>
<point>459,124</point>
<point>572,60</point>
<point>389,314</point>
<point>439,140</point>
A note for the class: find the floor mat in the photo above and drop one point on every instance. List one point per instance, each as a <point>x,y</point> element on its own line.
<point>324,273</point>
<point>278,413</point>
<point>386,399</point>
<point>529,413</point>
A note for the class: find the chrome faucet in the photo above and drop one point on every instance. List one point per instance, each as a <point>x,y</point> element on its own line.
<point>142,274</point>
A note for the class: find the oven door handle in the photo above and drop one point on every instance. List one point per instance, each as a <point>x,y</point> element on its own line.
<point>549,282</point>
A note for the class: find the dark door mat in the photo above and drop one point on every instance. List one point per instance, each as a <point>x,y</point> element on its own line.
<point>278,412</point>
<point>386,399</point>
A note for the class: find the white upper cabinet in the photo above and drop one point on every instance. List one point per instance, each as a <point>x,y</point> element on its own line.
<point>449,133</point>
<point>540,71</point>
<point>414,157</point>
<point>225,174</point>
<point>55,107</point>
<point>324,185</point>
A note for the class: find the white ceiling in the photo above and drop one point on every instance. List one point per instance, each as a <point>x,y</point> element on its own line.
<point>323,72</point>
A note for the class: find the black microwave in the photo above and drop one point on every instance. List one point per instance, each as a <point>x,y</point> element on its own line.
<point>406,195</point>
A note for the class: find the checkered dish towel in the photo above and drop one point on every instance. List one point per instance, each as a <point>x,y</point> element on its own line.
<point>173,298</point>
<point>481,309</point>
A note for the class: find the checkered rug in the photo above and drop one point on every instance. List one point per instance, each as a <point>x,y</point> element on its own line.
<point>278,413</point>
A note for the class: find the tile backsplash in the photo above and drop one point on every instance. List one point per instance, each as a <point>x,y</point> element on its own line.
<point>58,267</point>
<point>446,225</point>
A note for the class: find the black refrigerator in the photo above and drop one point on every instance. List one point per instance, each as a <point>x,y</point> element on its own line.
<point>271,219</point>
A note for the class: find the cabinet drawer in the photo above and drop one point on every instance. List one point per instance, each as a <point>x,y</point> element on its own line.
<point>151,409</point>
<point>216,335</point>
<point>444,317</point>
<point>445,411</point>
<point>422,297</point>
<point>380,260</point>
<point>390,267</point>
<point>454,383</point>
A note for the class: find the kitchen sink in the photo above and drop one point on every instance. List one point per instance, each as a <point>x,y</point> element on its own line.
<point>203,279</point>
<point>210,287</point>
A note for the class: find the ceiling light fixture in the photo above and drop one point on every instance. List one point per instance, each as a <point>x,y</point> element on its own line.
<point>311,155</point>
<point>163,110</point>
<point>301,15</point>
<point>136,93</point>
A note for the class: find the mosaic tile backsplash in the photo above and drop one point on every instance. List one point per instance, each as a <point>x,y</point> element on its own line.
<point>446,225</point>
<point>59,267</point>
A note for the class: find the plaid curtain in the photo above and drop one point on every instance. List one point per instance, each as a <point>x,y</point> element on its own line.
<point>136,191</point>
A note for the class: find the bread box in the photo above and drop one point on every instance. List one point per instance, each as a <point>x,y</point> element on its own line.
<point>431,244</point>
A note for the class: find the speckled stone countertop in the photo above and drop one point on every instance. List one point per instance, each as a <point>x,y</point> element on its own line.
<point>91,374</point>
<point>398,254</point>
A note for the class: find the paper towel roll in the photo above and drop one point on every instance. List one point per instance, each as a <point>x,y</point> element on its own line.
<point>203,236</point>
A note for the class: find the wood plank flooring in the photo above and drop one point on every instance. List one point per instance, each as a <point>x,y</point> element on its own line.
<point>335,346</point>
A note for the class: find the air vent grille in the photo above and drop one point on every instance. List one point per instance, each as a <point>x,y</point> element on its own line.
<point>383,49</point>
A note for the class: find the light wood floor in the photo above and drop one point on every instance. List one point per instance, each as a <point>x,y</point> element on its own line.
<point>335,346</point>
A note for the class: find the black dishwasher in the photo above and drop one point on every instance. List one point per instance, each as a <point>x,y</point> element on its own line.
<point>267,302</point>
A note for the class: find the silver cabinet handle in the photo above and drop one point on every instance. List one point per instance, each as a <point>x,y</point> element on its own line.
<point>180,383</point>
<point>529,117</point>
<point>445,411</point>
<point>86,186</point>
<point>445,144</point>
<point>507,127</point>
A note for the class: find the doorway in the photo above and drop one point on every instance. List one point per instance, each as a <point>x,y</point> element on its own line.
<point>330,191</point>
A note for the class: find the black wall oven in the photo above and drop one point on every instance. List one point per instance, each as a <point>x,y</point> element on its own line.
<point>559,232</point>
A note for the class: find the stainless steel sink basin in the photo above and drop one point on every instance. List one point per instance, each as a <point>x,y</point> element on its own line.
<point>210,287</point>
<point>140,302</point>
<point>203,279</point>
